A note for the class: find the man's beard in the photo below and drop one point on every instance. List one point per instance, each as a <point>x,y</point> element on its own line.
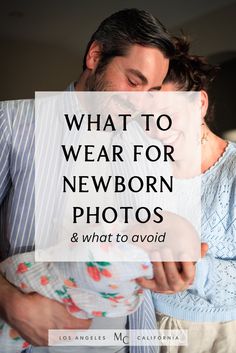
<point>97,82</point>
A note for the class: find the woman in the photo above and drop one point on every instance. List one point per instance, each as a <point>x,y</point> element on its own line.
<point>207,310</point>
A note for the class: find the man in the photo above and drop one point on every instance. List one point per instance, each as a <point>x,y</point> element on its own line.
<point>130,51</point>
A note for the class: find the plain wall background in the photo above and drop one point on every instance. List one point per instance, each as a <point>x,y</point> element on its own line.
<point>42,49</point>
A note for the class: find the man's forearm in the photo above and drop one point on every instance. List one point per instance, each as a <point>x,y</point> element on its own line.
<point>7,293</point>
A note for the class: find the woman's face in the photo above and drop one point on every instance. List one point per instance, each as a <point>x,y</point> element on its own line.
<point>186,122</point>
<point>169,87</point>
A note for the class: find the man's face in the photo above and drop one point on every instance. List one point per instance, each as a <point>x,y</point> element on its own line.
<point>141,69</point>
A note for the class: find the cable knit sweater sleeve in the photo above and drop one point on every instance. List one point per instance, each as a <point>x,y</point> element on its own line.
<point>212,297</point>
<point>216,281</point>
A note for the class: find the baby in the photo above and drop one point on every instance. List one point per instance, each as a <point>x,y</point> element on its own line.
<point>88,289</point>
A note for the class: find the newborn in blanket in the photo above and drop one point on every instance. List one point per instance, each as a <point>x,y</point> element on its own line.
<point>88,289</point>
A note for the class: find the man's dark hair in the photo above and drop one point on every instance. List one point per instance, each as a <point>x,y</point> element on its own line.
<point>125,28</point>
<point>191,72</point>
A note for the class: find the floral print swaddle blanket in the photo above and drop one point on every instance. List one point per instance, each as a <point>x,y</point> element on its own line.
<point>88,289</point>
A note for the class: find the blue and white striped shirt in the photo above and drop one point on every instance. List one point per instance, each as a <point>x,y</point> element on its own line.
<point>17,176</point>
<point>17,198</point>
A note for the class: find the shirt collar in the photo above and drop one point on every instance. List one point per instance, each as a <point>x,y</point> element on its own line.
<point>71,87</point>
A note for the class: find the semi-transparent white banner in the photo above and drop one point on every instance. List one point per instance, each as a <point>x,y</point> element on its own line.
<point>118,176</point>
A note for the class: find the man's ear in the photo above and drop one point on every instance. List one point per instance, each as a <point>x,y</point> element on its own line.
<point>204,105</point>
<point>93,55</point>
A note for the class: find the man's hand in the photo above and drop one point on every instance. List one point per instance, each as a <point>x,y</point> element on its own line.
<point>32,315</point>
<point>171,277</point>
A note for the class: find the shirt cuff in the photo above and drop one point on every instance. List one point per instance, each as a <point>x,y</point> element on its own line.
<point>203,278</point>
